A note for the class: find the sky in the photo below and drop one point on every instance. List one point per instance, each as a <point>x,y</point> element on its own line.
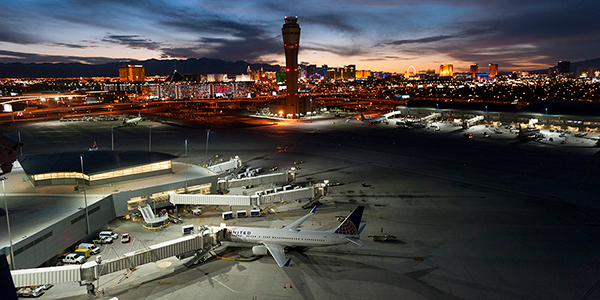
<point>377,35</point>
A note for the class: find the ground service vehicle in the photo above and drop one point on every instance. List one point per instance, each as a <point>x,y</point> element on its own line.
<point>93,248</point>
<point>83,251</point>
<point>108,233</point>
<point>125,238</point>
<point>73,258</point>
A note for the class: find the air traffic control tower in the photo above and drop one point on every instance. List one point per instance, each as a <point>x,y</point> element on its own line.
<point>291,42</point>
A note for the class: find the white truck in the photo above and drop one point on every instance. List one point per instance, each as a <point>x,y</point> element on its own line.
<point>93,248</point>
<point>73,258</point>
<point>103,240</point>
<point>108,233</point>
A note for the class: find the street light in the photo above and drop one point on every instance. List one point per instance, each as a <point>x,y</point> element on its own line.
<point>87,217</point>
<point>546,115</point>
<point>12,254</point>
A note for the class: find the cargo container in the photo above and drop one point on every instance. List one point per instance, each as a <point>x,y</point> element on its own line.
<point>227,215</point>
<point>241,214</point>
<point>187,229</point>
<point>255,213</point>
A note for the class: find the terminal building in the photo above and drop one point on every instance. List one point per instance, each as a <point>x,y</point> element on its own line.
<point>47,210</point>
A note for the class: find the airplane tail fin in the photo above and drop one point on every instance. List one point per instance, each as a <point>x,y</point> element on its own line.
<point>351,225</point>
<point>362,117</point>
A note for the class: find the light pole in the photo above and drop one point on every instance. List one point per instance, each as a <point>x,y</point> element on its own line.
<point>12,254</point>
<point>112,138</point>
<point>87,217</point>
<point>20,148</point>
<point>150,140</point>
<point>185,163</point>
<point>546,115</point>
<point>207,136</point>
<point>486,113</point>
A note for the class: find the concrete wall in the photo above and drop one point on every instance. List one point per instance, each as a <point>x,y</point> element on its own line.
<point>37,249</point>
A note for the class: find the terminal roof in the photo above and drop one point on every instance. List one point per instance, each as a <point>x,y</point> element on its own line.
<point>94,162</point>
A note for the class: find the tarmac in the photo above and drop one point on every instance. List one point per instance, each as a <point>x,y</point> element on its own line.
<point>480,218</point>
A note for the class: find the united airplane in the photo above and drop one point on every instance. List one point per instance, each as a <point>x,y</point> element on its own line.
<point>275,241</point>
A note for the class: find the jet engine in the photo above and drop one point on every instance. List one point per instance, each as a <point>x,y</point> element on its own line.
<point>259,250</point>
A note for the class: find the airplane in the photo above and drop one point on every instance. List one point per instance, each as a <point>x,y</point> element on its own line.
<point>375,120</point>
<point>274,241</point>
<point>132,121</point>
<point>529,133</point>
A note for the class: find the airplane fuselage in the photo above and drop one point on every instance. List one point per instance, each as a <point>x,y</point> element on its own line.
<point>300,238</point>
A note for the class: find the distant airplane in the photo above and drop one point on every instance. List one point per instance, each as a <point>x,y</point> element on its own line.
<point>375,120</point>
<point>275,241</point>
<point>132,121</point>
<point>530,131</point>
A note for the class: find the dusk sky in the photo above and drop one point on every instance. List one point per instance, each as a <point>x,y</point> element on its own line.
<point>377,34</point>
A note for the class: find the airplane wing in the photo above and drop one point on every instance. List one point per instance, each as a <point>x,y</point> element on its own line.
<point>294,225</point>
<point>278,254</point>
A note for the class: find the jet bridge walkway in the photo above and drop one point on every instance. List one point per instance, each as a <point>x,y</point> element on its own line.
<point>199,244</point>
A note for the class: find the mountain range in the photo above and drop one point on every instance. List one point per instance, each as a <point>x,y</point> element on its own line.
<point>590,63</point>
<point>166,67</point>
<point>152,67</point>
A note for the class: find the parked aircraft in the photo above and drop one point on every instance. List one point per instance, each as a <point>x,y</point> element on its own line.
<point>373,120</point>
<point>132,121</point>
<point>275,241</point>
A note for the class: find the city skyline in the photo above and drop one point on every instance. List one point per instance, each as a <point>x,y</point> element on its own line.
<point>381,35</point>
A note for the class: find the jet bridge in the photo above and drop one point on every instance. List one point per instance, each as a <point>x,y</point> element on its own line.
<point>468,123</point>
<point>261,197</point>
<point>431,116</point>
<point>198,244</point>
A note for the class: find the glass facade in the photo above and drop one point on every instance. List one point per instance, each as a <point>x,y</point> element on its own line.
<point>165,165</point>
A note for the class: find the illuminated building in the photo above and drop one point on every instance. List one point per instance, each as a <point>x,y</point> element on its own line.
<point>493,70</point>
<point>349,72</point>
<point>132,73</point>
<point>291,43</point>
<point>446,70</point>
<point>564,67</point>
<point>474,69</point>
<point>363,74</point>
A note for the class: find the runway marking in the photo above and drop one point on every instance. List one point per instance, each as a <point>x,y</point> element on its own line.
<point>217,280</point>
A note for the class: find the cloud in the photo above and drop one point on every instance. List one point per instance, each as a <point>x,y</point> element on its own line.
<point>131,41</point>
<point>13,56</point>
<point>420,40</point>
<point>70,45</point>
